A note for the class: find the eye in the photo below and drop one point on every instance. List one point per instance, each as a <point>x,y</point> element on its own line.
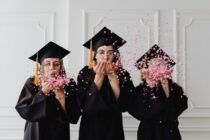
<point>47,64</point>
<point>110,52</point>
<point>100,52</point>
<point>56,64</point>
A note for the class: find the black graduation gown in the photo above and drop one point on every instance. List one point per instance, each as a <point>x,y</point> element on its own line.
<point>101,112</point>
<point>45,119</point>
<point>158,114</point>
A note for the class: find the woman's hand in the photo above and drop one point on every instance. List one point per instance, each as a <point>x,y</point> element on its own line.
<point>111,68</point>
<point>46,87</point>
<point>99,68</point>
<point>165,85</point>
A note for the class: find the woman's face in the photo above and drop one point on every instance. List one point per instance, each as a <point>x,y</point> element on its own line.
<point>51,67</point>
<point>105,54</point>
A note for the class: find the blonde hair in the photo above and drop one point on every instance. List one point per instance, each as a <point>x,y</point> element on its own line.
<point>144,73</point>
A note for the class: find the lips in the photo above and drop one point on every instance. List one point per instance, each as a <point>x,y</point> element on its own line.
<point>53,74</point>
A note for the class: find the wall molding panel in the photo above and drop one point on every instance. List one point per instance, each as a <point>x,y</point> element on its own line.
<point>28,31</point>
<point>189,41</point>
<point>140,28</point>
<point>181,28</point>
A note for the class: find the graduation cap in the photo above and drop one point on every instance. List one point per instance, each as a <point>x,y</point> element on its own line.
<point>104,37</point>
<point>154,52</point>
<point>50,50</point>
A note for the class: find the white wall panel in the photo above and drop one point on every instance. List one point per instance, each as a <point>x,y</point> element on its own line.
<point>25,26</point>
<point>181,27</point>
<point>138,27</point>
<point>193,30</point>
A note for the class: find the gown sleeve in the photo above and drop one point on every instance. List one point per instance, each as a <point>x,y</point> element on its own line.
<point>126,89</point>
<point>142,106</point>
<point>90,100</point>
<point>32,104</point>
<point>176,103</point>
<point>94,101</point>
<point>72,103</point>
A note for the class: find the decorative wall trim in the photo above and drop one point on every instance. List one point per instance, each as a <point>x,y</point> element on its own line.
<point>179,37</point>
<point>33,18</point>
<point>111,15</point>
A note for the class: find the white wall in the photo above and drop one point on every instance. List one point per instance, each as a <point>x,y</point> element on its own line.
<point>180,27</point>
<point>25,26</point>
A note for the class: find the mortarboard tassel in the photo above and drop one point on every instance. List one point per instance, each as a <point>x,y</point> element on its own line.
<point>90,66</point>
<point>36,78</point>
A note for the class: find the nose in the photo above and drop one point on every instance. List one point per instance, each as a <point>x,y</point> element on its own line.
<point>51,67</point>
<point>106,56</point>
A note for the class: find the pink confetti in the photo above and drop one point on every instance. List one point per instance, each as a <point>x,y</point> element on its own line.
<point>158,70</point>
<point>59,81</point>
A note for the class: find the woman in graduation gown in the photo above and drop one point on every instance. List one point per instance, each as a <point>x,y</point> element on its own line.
<point>104,89</point>
<point>48,102</point>
<point>158,100</point>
